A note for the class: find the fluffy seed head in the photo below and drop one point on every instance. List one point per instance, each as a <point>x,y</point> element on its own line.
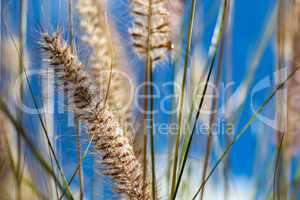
<point>92,21</point>
<point>118,158</point>
<point>150,31</point>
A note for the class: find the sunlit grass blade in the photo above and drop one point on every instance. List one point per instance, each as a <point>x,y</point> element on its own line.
<point>182,96</point>
<point>215,43</point>
<point>240,133</point>
<point>212,50</point>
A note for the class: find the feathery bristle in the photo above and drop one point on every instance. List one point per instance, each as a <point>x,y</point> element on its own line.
<point>153,14</point>
<point>118,156</point>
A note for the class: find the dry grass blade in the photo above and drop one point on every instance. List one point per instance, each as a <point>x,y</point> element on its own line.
<point>293,139</point>
<point>287,139</point>
<point>278,180</point>
<point>118,158</point>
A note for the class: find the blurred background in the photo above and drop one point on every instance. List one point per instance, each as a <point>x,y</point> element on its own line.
<point>253,61</point>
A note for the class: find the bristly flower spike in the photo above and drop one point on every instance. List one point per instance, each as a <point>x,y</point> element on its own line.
<point>118,158</point>
<point>157,41</point>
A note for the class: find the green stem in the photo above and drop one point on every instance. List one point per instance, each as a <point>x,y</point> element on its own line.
<point>152,132</point>
<point>213,117</point>
<point>181,100</point>
<point>219,32</point>
<point>214,105</point>
<point>149,79</point>
<point>145,140</point>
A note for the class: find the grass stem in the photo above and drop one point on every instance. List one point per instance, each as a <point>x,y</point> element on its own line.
<point>219,33</point>
<point>182,96</point>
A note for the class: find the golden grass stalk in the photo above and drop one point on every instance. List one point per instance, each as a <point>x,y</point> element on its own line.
<point>118,158</point>
<point>288,142</point>
<point>279,179</point>
<point>293,87</point>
